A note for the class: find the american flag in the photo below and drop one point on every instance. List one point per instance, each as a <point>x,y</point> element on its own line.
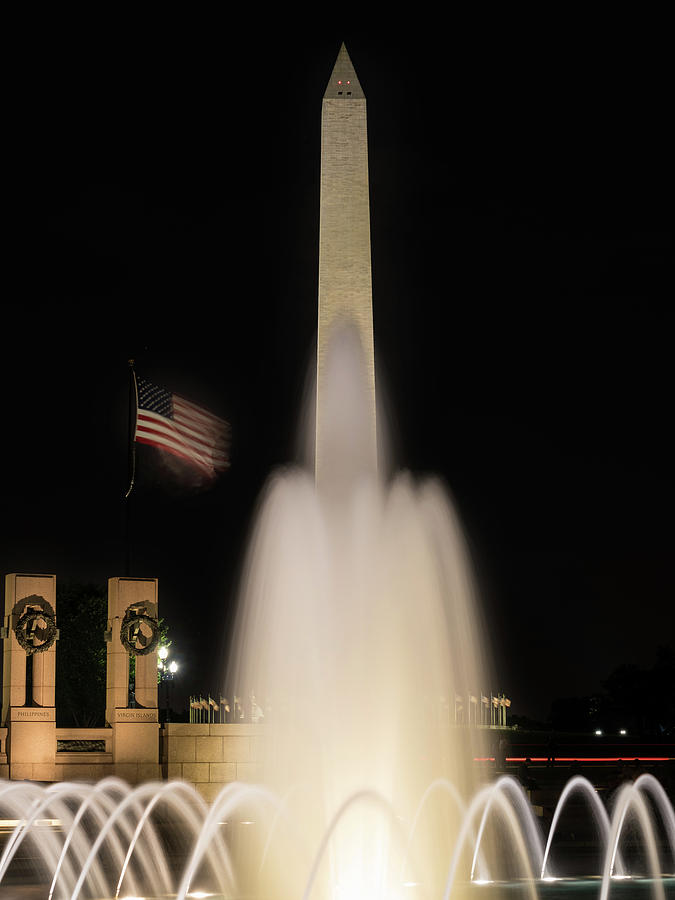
<point>170,422</point>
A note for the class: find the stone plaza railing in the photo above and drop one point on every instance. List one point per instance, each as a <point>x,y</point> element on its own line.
<point>211,754</point>
<point>207,756</point>
<point>79,755</point>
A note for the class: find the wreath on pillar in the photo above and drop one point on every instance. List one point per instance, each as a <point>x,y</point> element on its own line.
<point>36,630</point>
<point>134,641</point>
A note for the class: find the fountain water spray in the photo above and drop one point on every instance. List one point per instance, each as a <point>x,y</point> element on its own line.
<point>110,841</point>
<point>358,614</point>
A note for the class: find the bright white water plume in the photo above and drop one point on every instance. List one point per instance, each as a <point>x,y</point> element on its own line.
<point>358,625</point>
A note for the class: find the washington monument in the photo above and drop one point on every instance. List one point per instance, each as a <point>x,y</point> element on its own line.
<point>345,285</point>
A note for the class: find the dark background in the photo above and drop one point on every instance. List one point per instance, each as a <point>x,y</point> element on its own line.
<point>165,199</point>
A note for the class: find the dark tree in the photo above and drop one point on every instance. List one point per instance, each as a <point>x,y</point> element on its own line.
<point>572,714</point>
<point>637,699</point>
<point>644,699</point>
<point>82,617</point>
<point>82,611</point>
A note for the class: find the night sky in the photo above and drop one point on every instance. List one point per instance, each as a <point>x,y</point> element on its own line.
<point>166,188</point>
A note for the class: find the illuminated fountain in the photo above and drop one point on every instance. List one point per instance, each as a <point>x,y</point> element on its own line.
<point>107,840</point>
<point>358,623</point>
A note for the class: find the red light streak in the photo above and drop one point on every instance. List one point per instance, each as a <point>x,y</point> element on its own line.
<point>561,759</point>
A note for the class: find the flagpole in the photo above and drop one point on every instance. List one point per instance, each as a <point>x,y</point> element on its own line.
<point>133,406</point>
<point>133,409</point>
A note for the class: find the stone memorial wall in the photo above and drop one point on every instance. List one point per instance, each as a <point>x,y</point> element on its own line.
<point>131,746</point>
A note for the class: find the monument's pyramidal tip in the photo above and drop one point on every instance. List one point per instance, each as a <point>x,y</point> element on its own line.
<point>343,83</point>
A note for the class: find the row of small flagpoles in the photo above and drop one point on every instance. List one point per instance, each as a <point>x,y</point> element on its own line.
<point>469,710</point>
<point>481,710</point>
<point>207,710</point>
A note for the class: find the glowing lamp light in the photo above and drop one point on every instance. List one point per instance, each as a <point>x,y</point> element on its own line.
<point>163,652</point>
<point>598,732</point>
<point>173,667</point>
<point>623,731</point>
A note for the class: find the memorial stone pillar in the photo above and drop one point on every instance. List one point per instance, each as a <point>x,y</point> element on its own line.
<point>29,636</point>
<point>133,630</point>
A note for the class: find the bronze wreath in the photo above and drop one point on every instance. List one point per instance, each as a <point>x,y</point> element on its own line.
<point>25,620</point>
<point>133,618</point>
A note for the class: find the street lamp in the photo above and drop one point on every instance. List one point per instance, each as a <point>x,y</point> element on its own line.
<point>166,670</point>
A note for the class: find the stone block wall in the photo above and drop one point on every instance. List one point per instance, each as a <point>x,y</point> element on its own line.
<point>206,756</point>
<point>4,765</point>
<point>209,756</point>
<point>65,765</point>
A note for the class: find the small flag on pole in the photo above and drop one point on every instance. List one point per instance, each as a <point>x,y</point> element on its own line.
<point>169,422</point>
<point>224,708</point>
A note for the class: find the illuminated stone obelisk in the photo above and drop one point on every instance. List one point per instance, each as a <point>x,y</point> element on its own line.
<point>345,286</point>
